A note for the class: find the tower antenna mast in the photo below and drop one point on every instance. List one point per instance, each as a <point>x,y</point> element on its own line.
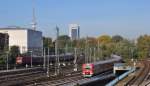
<point>34,23</point>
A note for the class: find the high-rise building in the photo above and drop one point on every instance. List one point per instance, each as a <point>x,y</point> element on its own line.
<point>74,31</point>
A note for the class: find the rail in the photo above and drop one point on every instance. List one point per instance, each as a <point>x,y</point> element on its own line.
<point>142,76</point>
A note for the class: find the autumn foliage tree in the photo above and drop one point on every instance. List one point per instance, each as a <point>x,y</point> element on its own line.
<point>104,39</point>
<point>143,45</point>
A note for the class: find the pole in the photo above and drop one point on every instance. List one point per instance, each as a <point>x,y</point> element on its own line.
<point>86,50</point>
<point>31,58</point>
<point>44,63</point>
<point>34,18</point>
<point>66,48</point>
<point>91,55</point>
<point>75,60</point>
<point>58,63</point>
<point>99,55</point>
<point>56,52</point>
<point>7,61</point>
<point>48,63</point>
<point>94,54</point>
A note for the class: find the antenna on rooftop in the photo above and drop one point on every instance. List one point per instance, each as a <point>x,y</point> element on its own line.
<point>34,23</point>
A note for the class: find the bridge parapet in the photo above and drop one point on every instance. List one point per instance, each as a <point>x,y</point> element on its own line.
<point>121,67</point>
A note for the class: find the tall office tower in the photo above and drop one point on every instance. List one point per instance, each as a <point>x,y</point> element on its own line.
<point>74,31</point>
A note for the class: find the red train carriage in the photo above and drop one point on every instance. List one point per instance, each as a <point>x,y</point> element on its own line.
<point>38,60</point>
<point>91,69</point>
<point>87,70</point>
<point>23,60</point>
<point>19,60</point>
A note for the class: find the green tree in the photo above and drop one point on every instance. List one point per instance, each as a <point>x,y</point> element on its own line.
<point>63,40</point>
<point>125,48</point>
<point>143,45</point>
<point>92,41</point>
<point>104,43</point>
<point>48,43</point>
<point>64,37</point>
<point>13,53</point>
<point>2,59</point>
<point>81,43</point>
<point>117,38</point>
<point>64,43</point>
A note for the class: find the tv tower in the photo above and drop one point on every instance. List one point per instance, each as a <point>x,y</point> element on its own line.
<point>34,23</point>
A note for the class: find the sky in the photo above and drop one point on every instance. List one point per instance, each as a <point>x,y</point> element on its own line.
<point>128,18</point>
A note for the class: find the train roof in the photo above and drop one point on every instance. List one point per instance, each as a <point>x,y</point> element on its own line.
<point>60,55</point>
<point>113,58</point>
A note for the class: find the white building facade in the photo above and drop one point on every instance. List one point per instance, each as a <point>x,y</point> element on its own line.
<point>74,31</point>
<point>27,40</point>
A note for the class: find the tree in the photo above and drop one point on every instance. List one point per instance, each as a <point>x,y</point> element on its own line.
<point>91,41</point>
<point>143,45</point>
<point>63,40</point>
<point>104,39</point>
<point>2,59</point>
<point>47,43</point>
<point>14,52</point>
<point>117,38</point>
<point>64,37</point>
<point>81,43</point>
<point>104,43</point>
<point>63,43</point>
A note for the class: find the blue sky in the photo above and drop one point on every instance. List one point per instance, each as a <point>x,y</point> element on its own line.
<point>128,18</point>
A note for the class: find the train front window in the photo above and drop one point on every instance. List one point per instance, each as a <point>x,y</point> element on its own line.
<point>88,67</point>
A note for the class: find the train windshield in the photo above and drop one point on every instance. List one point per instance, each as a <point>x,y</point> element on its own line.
<point>88,67</point>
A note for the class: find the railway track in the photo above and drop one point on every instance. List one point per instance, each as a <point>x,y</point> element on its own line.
<point>19,77</point>
<point>20,81</point>
<point>69,80</point>
<point>138,80</point>
<point>57,82</point>
<point>66,73</point>
<point>27,77</point>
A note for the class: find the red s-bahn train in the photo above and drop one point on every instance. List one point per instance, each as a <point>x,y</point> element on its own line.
<point>38,60</point>
<point>91,69</point>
